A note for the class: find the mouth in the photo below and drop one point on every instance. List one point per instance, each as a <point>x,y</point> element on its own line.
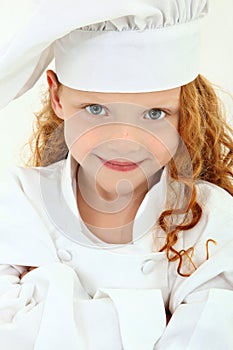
<point>120,165</point>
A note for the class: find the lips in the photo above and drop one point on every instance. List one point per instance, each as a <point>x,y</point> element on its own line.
<point>119,165</point>
<point>115,162</point>
<point>119,162</point>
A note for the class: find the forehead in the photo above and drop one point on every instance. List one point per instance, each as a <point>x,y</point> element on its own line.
<point>172,96</point>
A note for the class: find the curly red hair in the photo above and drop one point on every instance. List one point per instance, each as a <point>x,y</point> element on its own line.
<point>208,140</point>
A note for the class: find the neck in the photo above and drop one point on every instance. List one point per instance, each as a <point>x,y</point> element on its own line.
<point>111,219</point>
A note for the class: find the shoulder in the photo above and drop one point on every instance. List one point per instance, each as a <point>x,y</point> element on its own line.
<point>214,198</point>
<point>22,189</point>
<point>24,179</point>
<point>26,233</point>
<point>22,173</point>
<point>216,223</point>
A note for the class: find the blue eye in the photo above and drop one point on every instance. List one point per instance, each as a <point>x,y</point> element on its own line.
<point>156,114</point>
<point>95,109</point>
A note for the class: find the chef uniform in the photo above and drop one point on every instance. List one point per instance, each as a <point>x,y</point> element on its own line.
<point>115,298</point>
<point>87,294</point>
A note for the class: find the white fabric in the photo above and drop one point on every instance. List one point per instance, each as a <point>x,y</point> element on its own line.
<point>92,299</point>
<point>169,58</point>
<point>165,35</point>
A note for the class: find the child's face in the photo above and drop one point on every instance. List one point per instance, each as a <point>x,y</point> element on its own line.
<point>139,128</point>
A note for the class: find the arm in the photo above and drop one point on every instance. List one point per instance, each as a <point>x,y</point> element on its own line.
<point>36,312</point>
<point>201,324</point>
<point>49,309</point>
<point>202,307</point>
<point>20,314</point>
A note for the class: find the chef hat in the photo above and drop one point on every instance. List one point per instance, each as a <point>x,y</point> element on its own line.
<point>105,46</point>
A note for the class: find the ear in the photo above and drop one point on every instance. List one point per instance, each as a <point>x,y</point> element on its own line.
<point>54,95</point>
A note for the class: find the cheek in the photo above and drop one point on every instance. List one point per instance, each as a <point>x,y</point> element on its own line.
<point>163,143</point>
<point>163,151</point>
<point>80,136</point>
<point>83,145</point>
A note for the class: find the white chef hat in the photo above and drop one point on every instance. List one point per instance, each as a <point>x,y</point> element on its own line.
<point>105,46</point>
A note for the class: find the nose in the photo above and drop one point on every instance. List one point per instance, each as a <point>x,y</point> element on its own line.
<point>121,131</point>
<point>124,133</point>
<point>123,140</point>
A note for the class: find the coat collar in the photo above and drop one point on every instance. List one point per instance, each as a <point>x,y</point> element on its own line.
<point>147,213</point>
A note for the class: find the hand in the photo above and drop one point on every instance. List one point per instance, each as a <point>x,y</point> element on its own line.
<point>30,268</point>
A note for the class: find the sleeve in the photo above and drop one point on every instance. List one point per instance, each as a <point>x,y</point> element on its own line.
<point>138,316</point>
<point>49,309</point>
<point>37,311</point>
<point>202,307</point>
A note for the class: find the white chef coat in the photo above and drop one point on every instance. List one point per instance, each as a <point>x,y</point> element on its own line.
<point>81,297</point>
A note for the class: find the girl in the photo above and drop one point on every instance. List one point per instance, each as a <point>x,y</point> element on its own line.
<point>125,213</point>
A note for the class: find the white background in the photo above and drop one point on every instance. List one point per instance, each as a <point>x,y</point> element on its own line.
<point>17,117</point>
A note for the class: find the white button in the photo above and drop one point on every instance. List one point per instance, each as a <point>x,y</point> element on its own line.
<point>64,255</point>
<point>148,266</point>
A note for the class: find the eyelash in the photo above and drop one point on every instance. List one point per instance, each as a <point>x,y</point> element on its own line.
<point>157,109</point>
